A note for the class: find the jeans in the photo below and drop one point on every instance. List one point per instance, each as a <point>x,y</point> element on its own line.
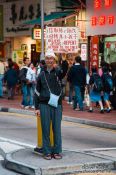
<point>1,84</point>
<point>25,92</point>
<point>50,114</point>
<point>78,97</point>
<point>11,92</point>
<point>71,89</point>
<point>31,92</point>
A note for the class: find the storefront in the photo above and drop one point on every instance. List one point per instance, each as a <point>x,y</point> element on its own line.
<point>101,23</point>
<point>18,40</point>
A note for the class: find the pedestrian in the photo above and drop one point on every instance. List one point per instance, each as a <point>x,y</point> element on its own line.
<point>31,81</point>
<point>96,88</point>
<point>11,79</point>
<point>77,75</point>
<point>40,67</point>
<point>108,87</point>
<point>63,56</point>
<point>2,71</point>
<point>71,88</point>
<point>24,83</point>
<point>48,95</point>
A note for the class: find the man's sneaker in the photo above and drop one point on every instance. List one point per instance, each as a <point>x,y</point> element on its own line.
<point>38,151</point>
<point>26,107</point>
<point>90,110</point>
<point>69,102</point>
<point>108,110</point>
<point>102,111</point>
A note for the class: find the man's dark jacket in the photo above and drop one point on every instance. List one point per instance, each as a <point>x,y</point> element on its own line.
<point>54,77</point>
<point>77,75</point>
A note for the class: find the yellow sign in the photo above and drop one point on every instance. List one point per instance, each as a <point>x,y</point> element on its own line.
<point>38,46</point>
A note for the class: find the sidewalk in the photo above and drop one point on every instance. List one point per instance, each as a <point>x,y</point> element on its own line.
<point>23,160</point>
<point>106,120</point>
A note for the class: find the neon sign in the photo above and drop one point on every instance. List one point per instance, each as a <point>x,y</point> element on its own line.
<point>111,19</point>
<point>103,19</point>
<point>100,3</point>
<point>94,21</point>
<point>108,3</point>
<point>97,4</point>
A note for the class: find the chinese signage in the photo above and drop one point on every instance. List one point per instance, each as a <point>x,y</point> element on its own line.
<point>19,12</point>
<point>37,33</point>
<point>62,39</point>
<point>101,17</point>
<point>84,52</point>
<point>94,51</point>
<point>1,23</point>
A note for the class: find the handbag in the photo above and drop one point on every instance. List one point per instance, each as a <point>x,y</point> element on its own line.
<point>53,101</point>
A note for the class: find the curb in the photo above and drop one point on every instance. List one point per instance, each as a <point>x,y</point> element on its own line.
<point>65,118</point>
<point>10,163</point>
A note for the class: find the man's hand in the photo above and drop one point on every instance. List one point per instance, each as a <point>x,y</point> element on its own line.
<point>37,112</point>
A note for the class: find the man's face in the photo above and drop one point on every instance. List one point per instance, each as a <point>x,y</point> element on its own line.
<point>49,61</point>
<point>27,62</point>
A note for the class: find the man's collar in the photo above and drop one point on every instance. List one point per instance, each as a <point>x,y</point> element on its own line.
<point>77,63</point>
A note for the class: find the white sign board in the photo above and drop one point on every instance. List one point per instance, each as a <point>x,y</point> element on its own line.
<point>62,39</point>
<point>84,52</point>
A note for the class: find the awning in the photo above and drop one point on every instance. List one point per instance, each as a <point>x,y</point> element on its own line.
<point>51,17</point>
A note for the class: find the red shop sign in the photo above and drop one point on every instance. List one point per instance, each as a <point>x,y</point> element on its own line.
<point>94,52</point>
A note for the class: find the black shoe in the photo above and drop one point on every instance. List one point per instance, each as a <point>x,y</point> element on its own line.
<point>108,110</point>
<point>38,151</point>
<point>102,111</point>
<point>90,110</point>
<point>1,97</point>
<point>80,109</point>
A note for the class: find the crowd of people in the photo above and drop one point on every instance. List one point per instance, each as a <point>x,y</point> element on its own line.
<point>43,87</point>
<point>83,88</point>
<point>98,86</point>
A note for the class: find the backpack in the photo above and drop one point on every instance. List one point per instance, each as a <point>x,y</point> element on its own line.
<point>108,83</point>
<point>22,75</point>
<point>98,84</point>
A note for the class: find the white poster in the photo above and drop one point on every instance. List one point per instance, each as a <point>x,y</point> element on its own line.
<point>62,39</point>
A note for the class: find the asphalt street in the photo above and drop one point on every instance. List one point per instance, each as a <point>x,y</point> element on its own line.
<point>22,128</point>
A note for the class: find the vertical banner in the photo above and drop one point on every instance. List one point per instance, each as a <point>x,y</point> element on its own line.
<point>84,52</point>
<point>94,51</point>
<point>1,23</point>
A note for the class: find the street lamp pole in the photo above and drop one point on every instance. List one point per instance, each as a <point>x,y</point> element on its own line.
<point>42,30</point>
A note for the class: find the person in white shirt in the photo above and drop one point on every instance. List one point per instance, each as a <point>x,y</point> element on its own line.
<point>31,78</point>
<point>2,71</point>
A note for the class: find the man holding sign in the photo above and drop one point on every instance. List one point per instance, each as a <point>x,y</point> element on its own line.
<point>49,98</point>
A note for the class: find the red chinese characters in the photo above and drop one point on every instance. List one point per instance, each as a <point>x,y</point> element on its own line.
<point>107,3</point>
<point>94,21</point>
<point>102,20</point>
<point>111,19</point>
<point>97,4</point>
